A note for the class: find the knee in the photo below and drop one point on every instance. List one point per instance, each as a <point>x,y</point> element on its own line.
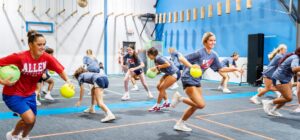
<point>200,106</point>
<point>29,121</point>
<point>289,98</point>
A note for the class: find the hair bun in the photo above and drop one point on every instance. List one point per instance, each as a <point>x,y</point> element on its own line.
<point>31,33</point>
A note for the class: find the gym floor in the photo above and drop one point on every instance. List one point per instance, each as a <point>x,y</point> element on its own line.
<point>226,116</point>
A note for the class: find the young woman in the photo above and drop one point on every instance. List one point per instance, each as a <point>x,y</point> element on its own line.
<point>228,62</point>
<point>281,78</point>
<point>135,66</point>
<point>175,59</point>
<point>172,74</point>
<point>204,58</point>
<point>274,58</point>
<point>20,97</point>
<point>45,78</point>
<point>99,82</point>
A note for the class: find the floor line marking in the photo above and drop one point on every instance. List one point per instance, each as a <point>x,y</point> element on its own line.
<point>235,128</point>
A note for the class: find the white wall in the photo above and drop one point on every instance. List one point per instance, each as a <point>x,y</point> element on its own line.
<point>75,34</point>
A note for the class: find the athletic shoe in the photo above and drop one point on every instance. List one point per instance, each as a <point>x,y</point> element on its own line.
<point>180,126</point>
<point>255,99</point>
<point>89,110</point>
<point>165,105</point>
<point>154,109</point>
<point>297,110</point>
<point>135,88</point>
<point>108,118</point>
<point>38,103</point>
<point>25,138</point>
<point>49,97</point>
<point>9,136</point>
<point>175,99</point>
<point>226,90</point>
<point>295,92</point>
<point>267,106</point>
<point>275,113</point>
<point>125,97</point>
<point>220,87</point>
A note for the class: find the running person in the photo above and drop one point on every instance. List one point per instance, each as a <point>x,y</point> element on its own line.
<point>135,66</point>
<point>281,78</point>
<point>228,62</point>
<point>204,58</point>
<point>20,97</point>
<point>99,82</point>
<point>172,74</point>
<point>274,58</point>
<point>175,59</point>
<point>45,78</point>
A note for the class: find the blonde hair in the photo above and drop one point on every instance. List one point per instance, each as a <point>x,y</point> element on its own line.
<point>206,36</point>
<point>276,51</point>
<point>89,52</point>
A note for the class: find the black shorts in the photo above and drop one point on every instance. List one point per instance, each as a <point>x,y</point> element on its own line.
<point>180,67</point>
<point>138,72</point>
<point>190,85</point>
<point>102,82</point>
<point>45,79</point>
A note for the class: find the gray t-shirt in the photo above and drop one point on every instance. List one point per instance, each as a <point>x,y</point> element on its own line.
<point>159,60</point>
<point>284,71</point>
<point>228,61</point>
<point>204,60</point>
<point>272,66</point>
<point>92,64</point>
<point>89,77</point>
<point>130,61</point>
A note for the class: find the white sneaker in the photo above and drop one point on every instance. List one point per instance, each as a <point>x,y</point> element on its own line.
<point>175,99</point>
<point>267,106</point>
<point>38,103</point>
<point>297,110</point>
<point>150,96</point>
<point>278,94</point>
<point>226,90</point>
<point>220,87</point>
<point>255,99</point>
<point>108,118</point>
<point>125,97</point>
<point>49,97</point>
<point>275,113</point>
<point>174,86</point>
<point>25,138</point>
<point>9,136</point>
<point>135,88</point>
<point>89,110</point>
<point>180,126</point>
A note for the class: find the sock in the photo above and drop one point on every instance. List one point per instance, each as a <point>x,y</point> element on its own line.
<point>167,101</point>
<point>48,92</point>
<point>156,105</point>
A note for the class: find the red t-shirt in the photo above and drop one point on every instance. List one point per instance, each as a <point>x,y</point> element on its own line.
<point>31,71</point>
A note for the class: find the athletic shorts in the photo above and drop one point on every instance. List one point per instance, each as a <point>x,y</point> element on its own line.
<point>176,75</point>
<point>19,104</point>
<point>138,72</point>
<point>44,79</point>
<point>101,82</point>
<point>185,85</point>
<point>278,82</point>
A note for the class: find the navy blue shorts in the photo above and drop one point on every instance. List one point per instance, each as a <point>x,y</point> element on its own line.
<point>102,82</point>
<point>93,70</point>
<point>19,104</point>
<point>138,72</point>
<point>185,85</point>
<point>278,82</point>
<point>180,67</point>
<point>44,79</point>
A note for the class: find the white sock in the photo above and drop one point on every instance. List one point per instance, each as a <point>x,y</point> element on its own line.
<point>167,101</point>
<point>180,121</point>
<point>156,105</point>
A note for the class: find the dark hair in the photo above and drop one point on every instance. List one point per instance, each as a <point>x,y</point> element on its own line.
<point>152,51</point>
<point>79,71</point>
<point>33,35</point>
<point>234,54</point>
<point>49,50</point>
<point>297,52</point>
<point>135,56</point>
